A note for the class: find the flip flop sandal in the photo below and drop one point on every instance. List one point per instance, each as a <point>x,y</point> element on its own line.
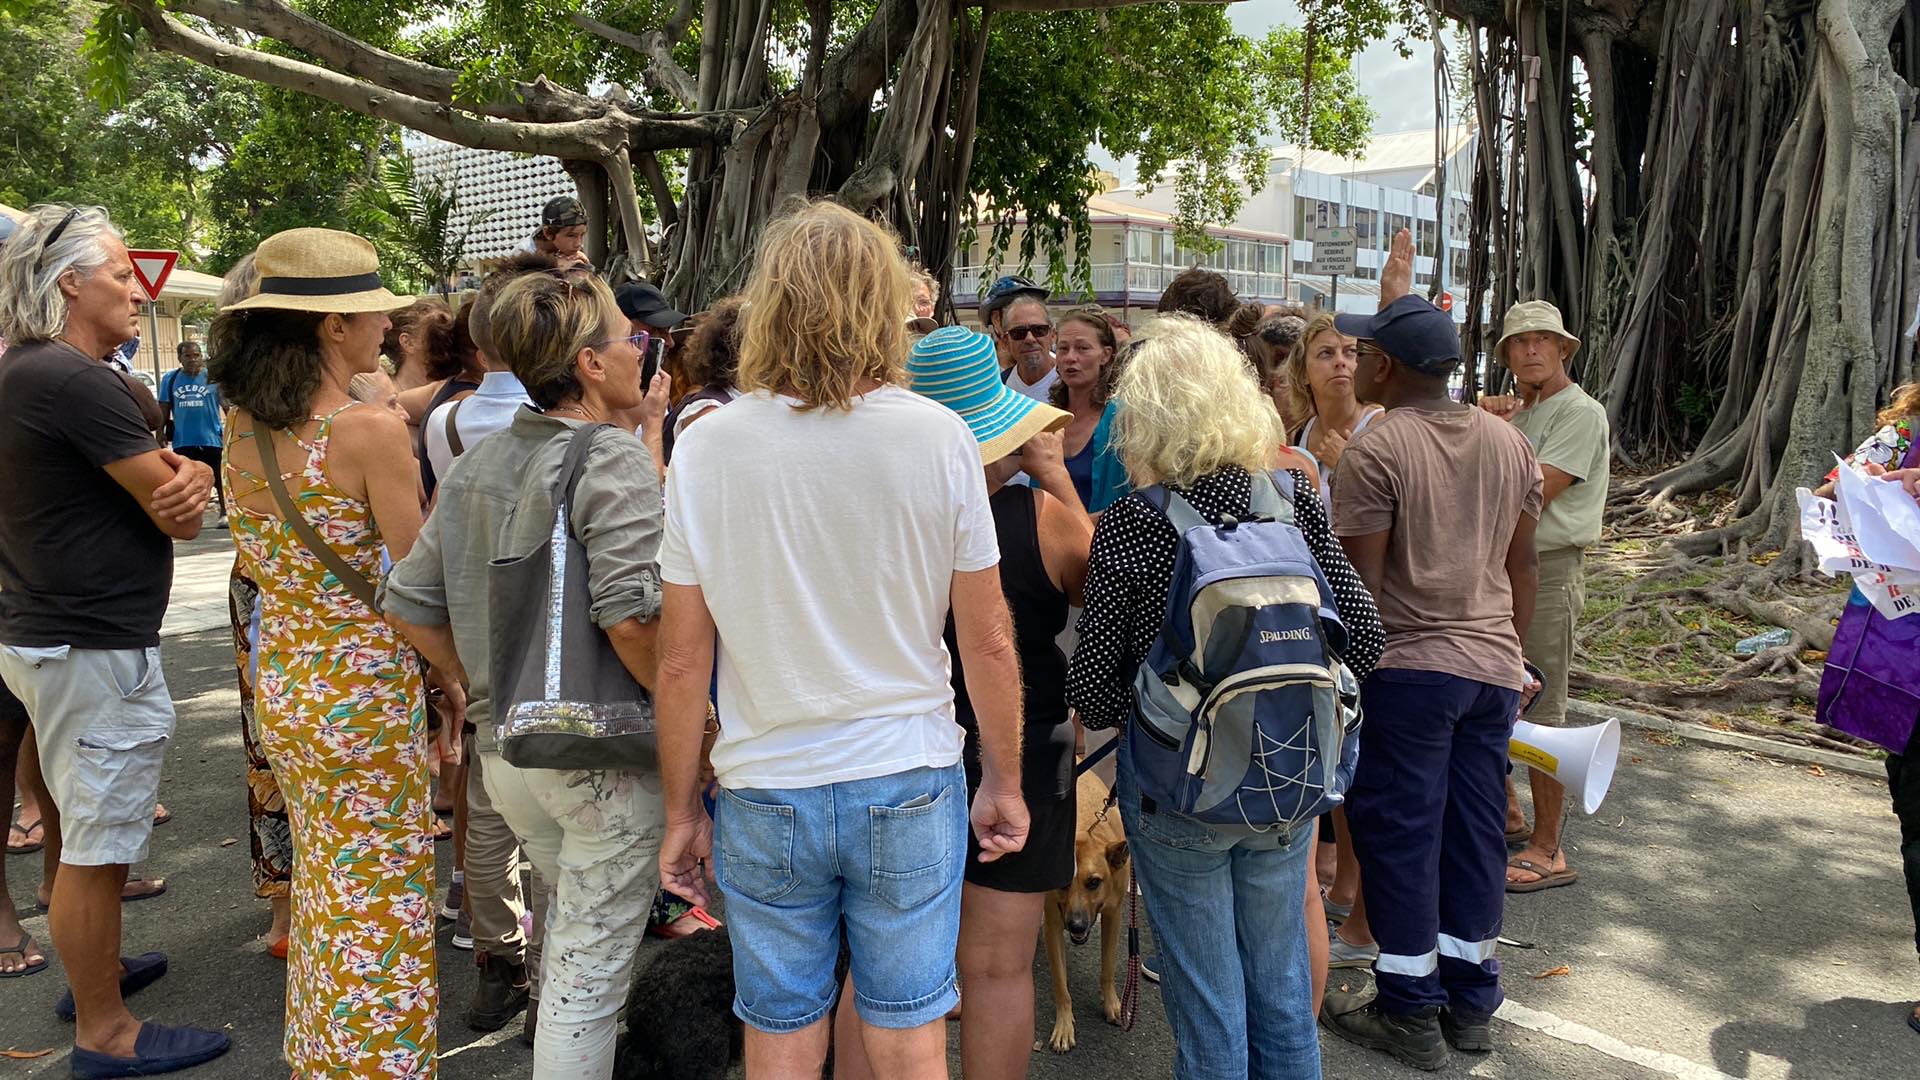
<point>1519,837</point>
<point>24,828</point>
<point>1547,879</point>
<point>161,815</point>
<point>21,948</point>
<point>159,887</point>
<point>138,973</point>
<point>1913,1021</point>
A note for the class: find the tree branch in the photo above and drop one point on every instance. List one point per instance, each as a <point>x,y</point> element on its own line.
<point>351,56</point>
<point>663,73</point>
<point>1085,5</point>
<point>597,137</point>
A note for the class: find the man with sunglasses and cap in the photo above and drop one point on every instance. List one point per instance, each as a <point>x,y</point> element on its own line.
<point>562,232</point>
<point>1438,507</point>
<point>1002,293</point>
<point>1570,436</point>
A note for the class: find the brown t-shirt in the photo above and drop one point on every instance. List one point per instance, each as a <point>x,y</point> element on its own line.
<point>1450,485</point>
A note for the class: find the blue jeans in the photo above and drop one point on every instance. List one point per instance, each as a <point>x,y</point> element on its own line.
<point>1227,914</point>
<point>883,857</point>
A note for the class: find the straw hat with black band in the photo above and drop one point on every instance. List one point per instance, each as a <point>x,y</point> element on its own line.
<point>318,270</point>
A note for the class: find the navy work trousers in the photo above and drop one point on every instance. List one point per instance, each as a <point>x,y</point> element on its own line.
<point>1428,811</point>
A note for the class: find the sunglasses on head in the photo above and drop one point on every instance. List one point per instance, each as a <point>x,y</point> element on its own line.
<point>1022,333</point>
<point>53,235</point>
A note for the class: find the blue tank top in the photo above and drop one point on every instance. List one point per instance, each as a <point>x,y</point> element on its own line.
<point>1080,469</point>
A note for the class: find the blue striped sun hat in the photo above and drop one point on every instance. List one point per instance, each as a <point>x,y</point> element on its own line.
<point>957,368</point>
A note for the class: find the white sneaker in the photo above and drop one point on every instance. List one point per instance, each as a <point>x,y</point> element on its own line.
<point>1342,955</point>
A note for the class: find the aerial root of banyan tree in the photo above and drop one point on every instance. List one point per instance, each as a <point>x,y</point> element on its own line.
<point>1750,243</point>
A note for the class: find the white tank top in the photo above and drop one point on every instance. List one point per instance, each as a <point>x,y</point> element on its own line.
<point>1326,475</point>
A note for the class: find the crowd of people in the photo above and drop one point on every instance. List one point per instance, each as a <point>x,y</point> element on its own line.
<point>799,613</point>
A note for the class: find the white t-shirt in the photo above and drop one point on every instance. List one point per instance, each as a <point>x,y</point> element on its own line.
<point>483,412</point>
<point>825,543</point>
<point>1038,391</point>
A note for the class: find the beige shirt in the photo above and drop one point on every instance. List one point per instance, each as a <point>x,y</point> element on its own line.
<point>1450,485</point>
<point>1569,432</point>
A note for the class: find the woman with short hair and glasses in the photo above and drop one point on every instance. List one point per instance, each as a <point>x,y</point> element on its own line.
<point>594,833</point>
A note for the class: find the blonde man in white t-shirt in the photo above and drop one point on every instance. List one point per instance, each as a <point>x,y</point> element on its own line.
<point>819,528</point>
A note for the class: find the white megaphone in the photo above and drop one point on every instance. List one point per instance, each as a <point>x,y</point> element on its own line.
<point>1580,758</point>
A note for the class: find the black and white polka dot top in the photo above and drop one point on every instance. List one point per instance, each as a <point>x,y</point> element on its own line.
<point>1131,569</point>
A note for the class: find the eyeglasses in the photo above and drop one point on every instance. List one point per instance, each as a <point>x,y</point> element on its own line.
<point>53,235</point>
<point>1022,333</point>
<point>638,341</point>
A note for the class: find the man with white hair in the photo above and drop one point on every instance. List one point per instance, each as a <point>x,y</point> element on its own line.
<point>90,487</point>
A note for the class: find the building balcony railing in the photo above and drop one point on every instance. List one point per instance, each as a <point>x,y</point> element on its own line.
<point>1132,282</point>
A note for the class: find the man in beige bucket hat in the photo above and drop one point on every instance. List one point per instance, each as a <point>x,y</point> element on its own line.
<point>1568,430</point>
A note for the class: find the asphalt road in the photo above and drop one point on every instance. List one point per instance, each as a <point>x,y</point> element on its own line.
<point>1735,918</point>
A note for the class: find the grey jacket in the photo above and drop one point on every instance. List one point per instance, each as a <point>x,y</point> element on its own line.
<point>497,503</point>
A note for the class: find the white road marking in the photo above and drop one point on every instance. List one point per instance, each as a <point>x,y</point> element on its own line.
<point>1567,1031</point>
<point>484,1041</point>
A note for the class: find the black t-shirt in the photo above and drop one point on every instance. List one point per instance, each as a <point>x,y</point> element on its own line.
<point>81,564</point>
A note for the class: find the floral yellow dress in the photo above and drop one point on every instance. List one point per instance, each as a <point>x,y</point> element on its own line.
<point>338,700</point>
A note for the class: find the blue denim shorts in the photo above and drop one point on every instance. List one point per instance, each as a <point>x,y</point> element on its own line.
<point>884,857</point>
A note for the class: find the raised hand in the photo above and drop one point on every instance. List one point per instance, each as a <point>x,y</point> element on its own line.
<point>1396,277</point>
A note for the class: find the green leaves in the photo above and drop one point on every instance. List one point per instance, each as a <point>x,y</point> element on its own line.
<point>109,51</point>
<point>1171,86</point>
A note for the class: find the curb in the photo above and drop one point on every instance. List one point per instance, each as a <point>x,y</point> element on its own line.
<point>1593,713</point>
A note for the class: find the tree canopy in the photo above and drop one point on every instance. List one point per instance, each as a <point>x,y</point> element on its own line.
<point>685,124</point>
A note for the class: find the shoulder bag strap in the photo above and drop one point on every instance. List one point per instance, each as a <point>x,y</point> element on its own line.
<point>353,580</point>
<point>579,444</point>
<point>453,431</point>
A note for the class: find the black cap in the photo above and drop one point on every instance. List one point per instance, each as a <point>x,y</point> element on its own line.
<point>1410,330</point>
<point>562,211</point>
<point>1005,291</point>
<point>639,300</point>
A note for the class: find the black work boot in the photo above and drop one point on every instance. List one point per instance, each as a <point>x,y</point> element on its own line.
<point>1413,1038</point>
<point>1467,1032</point>
<point>502,992</point>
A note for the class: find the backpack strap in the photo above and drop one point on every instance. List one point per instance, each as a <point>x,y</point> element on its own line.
<point>1174,507</point>
<point>1272,495</point>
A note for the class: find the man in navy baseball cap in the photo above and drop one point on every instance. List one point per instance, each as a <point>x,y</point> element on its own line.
<point>1411,331</point>
<point>1437,507</point>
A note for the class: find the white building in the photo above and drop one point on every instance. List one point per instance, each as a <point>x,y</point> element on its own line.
<point>1266,251</point>
<point>513,186</point>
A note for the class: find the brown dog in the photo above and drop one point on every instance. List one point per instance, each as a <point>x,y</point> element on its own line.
<point>1099,891</point>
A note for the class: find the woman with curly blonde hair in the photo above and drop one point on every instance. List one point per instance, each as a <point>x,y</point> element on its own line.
<point>1228,911</point>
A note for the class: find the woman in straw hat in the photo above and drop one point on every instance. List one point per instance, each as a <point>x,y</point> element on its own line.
<point>338,697</point>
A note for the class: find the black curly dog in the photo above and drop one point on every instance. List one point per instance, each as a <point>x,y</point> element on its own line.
<point>680,1022</point>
